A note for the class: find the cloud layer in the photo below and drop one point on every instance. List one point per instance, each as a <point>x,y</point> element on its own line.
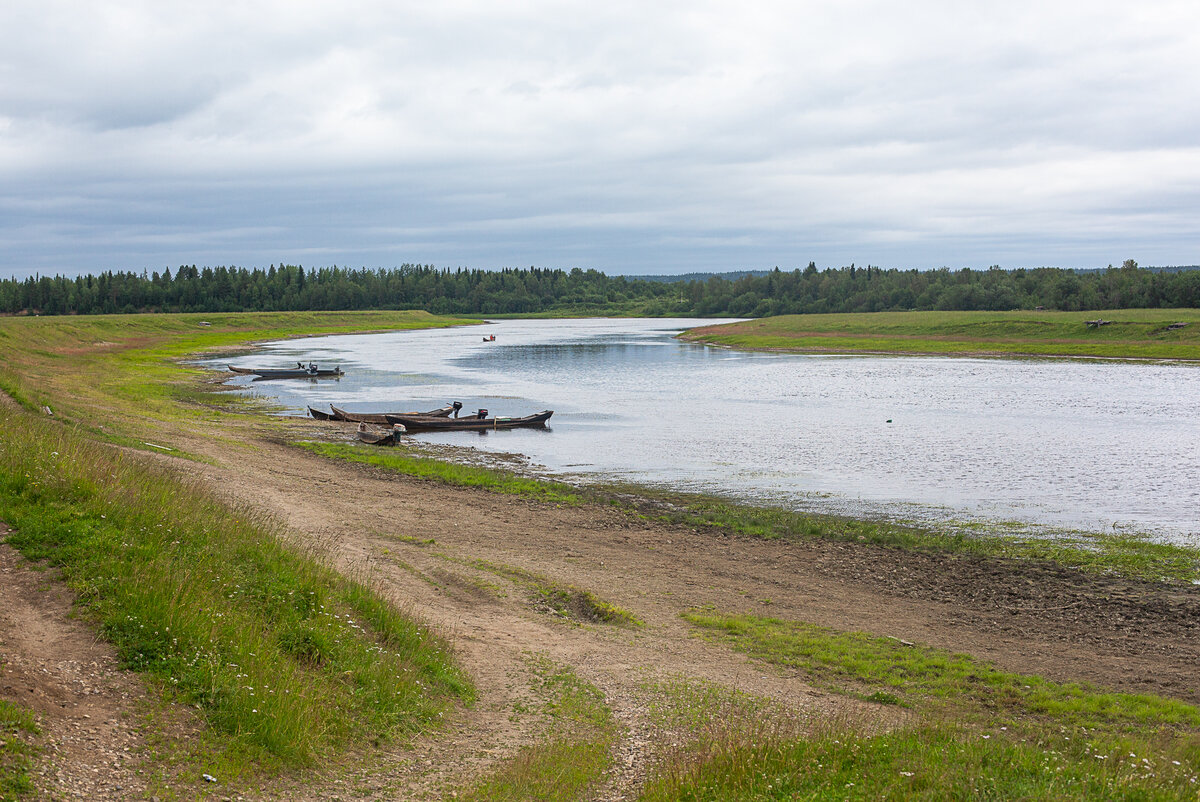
<point>628,137</point>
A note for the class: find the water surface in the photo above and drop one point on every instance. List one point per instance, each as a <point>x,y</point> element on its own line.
<point>1088,444</point>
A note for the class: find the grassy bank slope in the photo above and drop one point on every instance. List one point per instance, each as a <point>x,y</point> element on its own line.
<point>285,660</point>
<point>1131,334</point>
<point>119,377</point>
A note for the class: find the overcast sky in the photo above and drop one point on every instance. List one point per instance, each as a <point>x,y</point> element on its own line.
<point>630,137</point>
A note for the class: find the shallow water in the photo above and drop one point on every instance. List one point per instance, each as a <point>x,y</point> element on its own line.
<point>1087,444</point>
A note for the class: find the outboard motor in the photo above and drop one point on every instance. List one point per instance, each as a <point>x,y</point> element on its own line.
<point>457,406</point>
<point>482,414</point>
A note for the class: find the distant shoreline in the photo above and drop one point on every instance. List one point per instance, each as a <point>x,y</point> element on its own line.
<point>1123,334</point>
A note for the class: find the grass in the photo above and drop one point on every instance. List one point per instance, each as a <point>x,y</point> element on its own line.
<point>410,463</point>
<point>17,725</point>
<point>978,733</point>
<point>917,676</point>
<point>573,756</point>
<point>1132,334</point>
<point>285,659</point>
<point>929,762</point>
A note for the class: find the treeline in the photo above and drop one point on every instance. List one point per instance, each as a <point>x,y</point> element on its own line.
<point>534,290</point>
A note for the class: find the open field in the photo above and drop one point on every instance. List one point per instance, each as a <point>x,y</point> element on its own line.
<point>1129,334</point>
<point>582,646</point>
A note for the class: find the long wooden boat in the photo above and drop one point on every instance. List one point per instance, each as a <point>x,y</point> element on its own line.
<point>319,415</point>
<point>474,423</point>
<point>287,373</point>
<point>380,437</point>
<point>380,418</point>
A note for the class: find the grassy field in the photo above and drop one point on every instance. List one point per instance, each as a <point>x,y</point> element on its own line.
<point>1131,334</point>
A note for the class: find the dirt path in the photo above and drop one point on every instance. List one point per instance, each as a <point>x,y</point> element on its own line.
<point>86,707</point>
<point>1025,618</point>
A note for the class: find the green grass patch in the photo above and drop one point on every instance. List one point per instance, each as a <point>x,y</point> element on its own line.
<point>284,658</point>
<point>978,733</point>
<point>400,460</point>
<point>577,750</point>
<point>1132,333</point>
<point>17,725</point>
<point>919,676</point>
<point>928,762</point>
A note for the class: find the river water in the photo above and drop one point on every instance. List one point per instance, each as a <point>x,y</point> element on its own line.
<point>1094,445</point>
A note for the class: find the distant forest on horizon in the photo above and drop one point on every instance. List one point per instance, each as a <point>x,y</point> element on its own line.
<point>542,290</point>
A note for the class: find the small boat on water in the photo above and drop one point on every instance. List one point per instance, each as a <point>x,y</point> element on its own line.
<point>479,422</point>
<point>300,372</point>
<point>380,437</point>
<point>381,418</point>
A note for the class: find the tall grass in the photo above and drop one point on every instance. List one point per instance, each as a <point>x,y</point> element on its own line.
<point>286,658</point>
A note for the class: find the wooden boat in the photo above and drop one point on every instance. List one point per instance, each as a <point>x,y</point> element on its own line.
<point>319,415</point>
<point>380,437</point>
<point>287,373</point>
<point>380,418</point>
<point>475,423</point>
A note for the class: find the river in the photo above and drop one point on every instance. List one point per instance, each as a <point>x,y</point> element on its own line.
<point>1085,444</point>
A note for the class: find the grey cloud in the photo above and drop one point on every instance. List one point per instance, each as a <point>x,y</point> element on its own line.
<point>702,135</point>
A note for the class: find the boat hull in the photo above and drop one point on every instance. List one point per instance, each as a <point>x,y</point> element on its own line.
<point>473,424</point>
<point>286,373</point>
<point>381,418</point>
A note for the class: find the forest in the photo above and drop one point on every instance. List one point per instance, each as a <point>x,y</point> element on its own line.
<point>553,291</point>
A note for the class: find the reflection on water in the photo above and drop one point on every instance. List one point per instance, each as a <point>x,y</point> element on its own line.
<point>1072,443</point>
